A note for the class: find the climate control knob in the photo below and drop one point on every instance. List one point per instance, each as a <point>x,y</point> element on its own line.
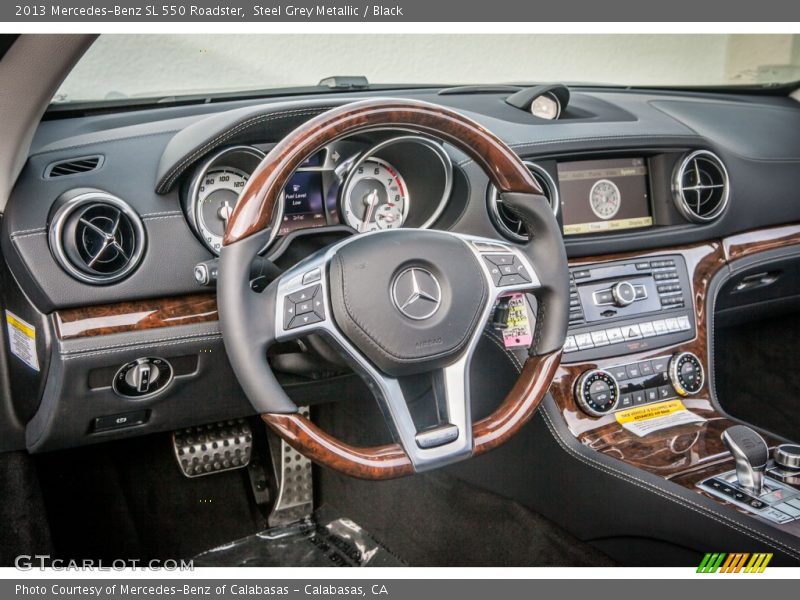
<point>597,392</point>
<point>686,373</point>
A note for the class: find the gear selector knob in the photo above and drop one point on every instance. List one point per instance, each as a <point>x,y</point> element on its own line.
<point>751,454</point>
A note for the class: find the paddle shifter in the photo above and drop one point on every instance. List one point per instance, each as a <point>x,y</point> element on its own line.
<point>751,454</point>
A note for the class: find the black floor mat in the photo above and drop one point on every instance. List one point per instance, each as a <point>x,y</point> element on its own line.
<point>23,523</point>
<point>437,520</point>
<point>757,368</point>
<point>129,500</point>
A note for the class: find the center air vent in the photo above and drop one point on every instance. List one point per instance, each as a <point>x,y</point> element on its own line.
<point>96,237</point>
<point>700,186</point>
<point>508,223</point>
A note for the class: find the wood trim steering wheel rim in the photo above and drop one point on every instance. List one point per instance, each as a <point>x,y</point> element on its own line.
<point>254,210</point>
<point>254,213</point>
<point>390,461</point>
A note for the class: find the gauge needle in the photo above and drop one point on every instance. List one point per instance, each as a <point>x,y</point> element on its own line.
<point>370,200</point>
<point>225,213</point>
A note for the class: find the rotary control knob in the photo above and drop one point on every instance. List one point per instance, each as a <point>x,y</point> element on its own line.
<point>143,377</point>
<point>788,456</point>
<point>623,293</point>
<point>686,373</point>
<point>597,392</point>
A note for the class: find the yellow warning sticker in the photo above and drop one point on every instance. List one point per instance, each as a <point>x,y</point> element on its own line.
<point>649,411</point>
<point>655,417</point>
<point>22,340</point>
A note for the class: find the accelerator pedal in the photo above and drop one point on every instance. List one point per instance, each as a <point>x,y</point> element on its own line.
<point>294,499</point>
<point>213,448</point>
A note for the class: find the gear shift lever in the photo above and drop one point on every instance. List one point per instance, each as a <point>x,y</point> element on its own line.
<point>751,454</point>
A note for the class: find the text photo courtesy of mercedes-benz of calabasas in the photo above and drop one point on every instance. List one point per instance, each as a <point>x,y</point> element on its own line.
<point>350,307</point>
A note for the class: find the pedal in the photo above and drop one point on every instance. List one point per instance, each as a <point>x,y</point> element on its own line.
<point>213,448</point>
<point>294,499</point>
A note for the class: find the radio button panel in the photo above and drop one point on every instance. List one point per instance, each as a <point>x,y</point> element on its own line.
<point>622,307</point>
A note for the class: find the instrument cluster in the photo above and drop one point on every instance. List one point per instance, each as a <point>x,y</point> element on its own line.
<point>400,181</point>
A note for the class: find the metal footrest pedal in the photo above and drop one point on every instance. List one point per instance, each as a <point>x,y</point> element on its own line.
<point>213,448</point>
<point>294,498</point>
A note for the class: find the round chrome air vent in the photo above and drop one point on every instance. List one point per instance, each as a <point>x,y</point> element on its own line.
<point>509,224</point>
<point>96,237</point>
<point>700,186</point>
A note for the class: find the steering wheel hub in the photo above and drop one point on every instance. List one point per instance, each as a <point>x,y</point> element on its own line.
<point>408,299</point>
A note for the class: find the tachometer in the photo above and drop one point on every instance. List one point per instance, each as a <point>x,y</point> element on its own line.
<point>375,197</point>
<point>605,199</point>
<point>216,197</point>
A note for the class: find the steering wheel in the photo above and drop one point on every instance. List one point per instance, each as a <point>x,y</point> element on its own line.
<point>395,302</point>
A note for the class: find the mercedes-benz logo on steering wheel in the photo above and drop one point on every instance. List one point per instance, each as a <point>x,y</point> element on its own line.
<point>416,293</point>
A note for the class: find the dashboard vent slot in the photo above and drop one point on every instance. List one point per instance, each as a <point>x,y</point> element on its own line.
<point>701,186</point>
<point>73,166</point>
<point>96,237</point>
<point>510,224</point>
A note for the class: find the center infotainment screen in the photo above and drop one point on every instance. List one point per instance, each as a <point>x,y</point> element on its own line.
<point>604,195</point>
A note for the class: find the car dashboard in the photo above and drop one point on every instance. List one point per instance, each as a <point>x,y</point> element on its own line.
<point>662,197</point>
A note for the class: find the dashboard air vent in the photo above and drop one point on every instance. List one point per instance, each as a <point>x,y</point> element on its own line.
<point>96,237</point>
<point>700,186</point>
<point>73,166</point>
<point>506,221</point>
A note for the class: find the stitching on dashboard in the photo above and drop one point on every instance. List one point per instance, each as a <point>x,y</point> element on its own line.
<point>158,214</point>
<point>30,233</point>
<point>143,346</point>
<point>24,231</point>
<point>196,336</point>
<point>632,479</point>
<point>106,140</point>
<point>169,179</point>
<point>523,145</point>
<point>175,216</point>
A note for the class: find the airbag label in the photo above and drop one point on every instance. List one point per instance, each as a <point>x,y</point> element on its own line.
<point>22,340</point>
<point>655,417</point>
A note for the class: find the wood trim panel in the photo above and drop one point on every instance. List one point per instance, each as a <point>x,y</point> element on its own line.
<point>390,461</point>
<point>139,315</point>
<point>253,212</point>
<point>689,453</point>
<point>760,240</point>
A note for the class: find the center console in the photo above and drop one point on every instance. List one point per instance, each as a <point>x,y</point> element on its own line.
<point>637,349</point>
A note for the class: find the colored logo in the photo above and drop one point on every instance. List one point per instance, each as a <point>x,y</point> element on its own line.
<point>738,562</point>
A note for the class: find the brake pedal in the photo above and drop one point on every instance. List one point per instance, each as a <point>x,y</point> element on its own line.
<point>213,448</point>
<point>294,499</point>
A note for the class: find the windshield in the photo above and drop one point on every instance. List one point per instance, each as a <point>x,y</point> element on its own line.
<point>156,66</point>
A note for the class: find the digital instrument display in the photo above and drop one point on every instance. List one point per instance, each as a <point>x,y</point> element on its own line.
<point>303,202</point>
<point>604,195</point>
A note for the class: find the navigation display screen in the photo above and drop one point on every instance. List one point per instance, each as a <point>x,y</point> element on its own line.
<point>303,203</point>
<point>604,195</point>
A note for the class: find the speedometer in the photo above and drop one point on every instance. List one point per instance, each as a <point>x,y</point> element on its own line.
<point>605,199</point>
<point>216,197</point>
<point>375,197</point>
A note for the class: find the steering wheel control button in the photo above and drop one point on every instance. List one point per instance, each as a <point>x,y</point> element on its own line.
<point>597,392</point>
<point>416,293</point>
<point>304,307</point>
<point>506,270</point>
<point>142,378</point>
<point>437,436</point>
<point>312,276</point>
<point>686,373</point>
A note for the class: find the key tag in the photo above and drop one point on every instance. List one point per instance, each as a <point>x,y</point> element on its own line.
<point>518,333</point>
